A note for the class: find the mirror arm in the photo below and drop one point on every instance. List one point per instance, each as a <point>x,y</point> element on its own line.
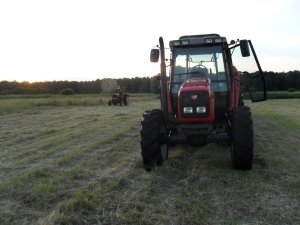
<point>260,70</point>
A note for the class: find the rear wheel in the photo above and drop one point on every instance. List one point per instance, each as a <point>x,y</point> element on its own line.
<point>242,138</point>
<point>153,139</point>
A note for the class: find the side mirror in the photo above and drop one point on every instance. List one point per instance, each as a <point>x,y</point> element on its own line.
<point>154,55</point>
<point>244,48</point>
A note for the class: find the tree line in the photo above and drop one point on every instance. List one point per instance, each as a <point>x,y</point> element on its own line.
<point>283,81</point>
<point>276,81</point>
<point>132,85</point>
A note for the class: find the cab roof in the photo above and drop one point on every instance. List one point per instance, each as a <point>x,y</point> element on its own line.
<point>202,39</point>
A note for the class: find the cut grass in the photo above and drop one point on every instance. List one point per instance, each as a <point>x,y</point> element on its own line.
<point>68,164</point>
<point>19,103</point>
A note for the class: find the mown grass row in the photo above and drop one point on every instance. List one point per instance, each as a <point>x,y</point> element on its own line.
<point>53,173</point>
<point>45,142</point>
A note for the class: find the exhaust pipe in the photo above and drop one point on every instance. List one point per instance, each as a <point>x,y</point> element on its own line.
<point>163,80</point>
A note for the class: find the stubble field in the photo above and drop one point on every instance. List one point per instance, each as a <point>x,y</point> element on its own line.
<point>76,160</point>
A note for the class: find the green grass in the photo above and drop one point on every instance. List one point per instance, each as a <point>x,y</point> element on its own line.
<point>283,95</point>
<point>19,103</point>
<point>275,95</point>
<point>80,163</point>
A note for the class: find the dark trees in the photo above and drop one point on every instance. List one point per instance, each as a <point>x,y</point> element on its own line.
<point>275,82</point>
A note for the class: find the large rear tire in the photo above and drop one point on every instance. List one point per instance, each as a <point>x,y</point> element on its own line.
<point>242,138</point>
<point>153,139</point>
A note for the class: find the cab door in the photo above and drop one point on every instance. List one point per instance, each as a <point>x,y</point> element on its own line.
<point>250,75</point>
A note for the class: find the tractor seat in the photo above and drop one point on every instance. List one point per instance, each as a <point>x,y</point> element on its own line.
<point>199,72</point>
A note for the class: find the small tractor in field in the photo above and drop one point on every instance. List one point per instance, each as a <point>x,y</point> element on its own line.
<point>119,97</point>
<point>202,101</point>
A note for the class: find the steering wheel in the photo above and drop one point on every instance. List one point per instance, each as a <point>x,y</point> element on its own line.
<point>199,71</point>
<point>199,66</point>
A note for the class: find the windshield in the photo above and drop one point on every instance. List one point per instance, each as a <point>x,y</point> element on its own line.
<point>204,62</point>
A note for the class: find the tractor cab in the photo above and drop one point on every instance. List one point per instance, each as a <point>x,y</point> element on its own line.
<point>201,66</point>
<point>209,57</point>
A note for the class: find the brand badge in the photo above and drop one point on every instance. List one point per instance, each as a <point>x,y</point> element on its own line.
<point>194,97</point>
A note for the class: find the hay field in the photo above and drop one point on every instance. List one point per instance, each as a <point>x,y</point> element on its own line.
<point>76,160</point>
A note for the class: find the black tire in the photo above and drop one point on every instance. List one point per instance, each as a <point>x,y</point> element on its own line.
<point>153,139</point>
<point>242,138</point>
<point>109,102</point>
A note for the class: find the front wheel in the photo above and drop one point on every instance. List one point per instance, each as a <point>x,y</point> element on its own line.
<point>242,140</point>
<point>153,139</point>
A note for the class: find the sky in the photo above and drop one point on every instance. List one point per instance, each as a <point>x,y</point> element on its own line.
<point>81,40</point>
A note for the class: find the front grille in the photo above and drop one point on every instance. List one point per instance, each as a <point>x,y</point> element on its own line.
<point>194,99</point>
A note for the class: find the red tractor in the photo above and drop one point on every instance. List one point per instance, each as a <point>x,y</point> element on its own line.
<point>119,97</point>
<point>202,101</point>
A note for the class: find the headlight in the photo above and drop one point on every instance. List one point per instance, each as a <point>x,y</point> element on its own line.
<point>176,43</point>
<point>208,40</point>
<point>185,42</point>
<point>218,40</point>
<point>188,110</point>
<point>201,109</point>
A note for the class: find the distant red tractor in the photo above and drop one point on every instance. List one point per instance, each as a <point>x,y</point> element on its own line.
<point>202,102</point>
<point>119,97</point>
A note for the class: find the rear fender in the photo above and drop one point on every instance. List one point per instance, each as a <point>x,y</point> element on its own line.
<point>236,88</point>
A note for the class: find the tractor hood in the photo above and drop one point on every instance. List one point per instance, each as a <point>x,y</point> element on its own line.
<point>195,101</point>
<point>195,84</point>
